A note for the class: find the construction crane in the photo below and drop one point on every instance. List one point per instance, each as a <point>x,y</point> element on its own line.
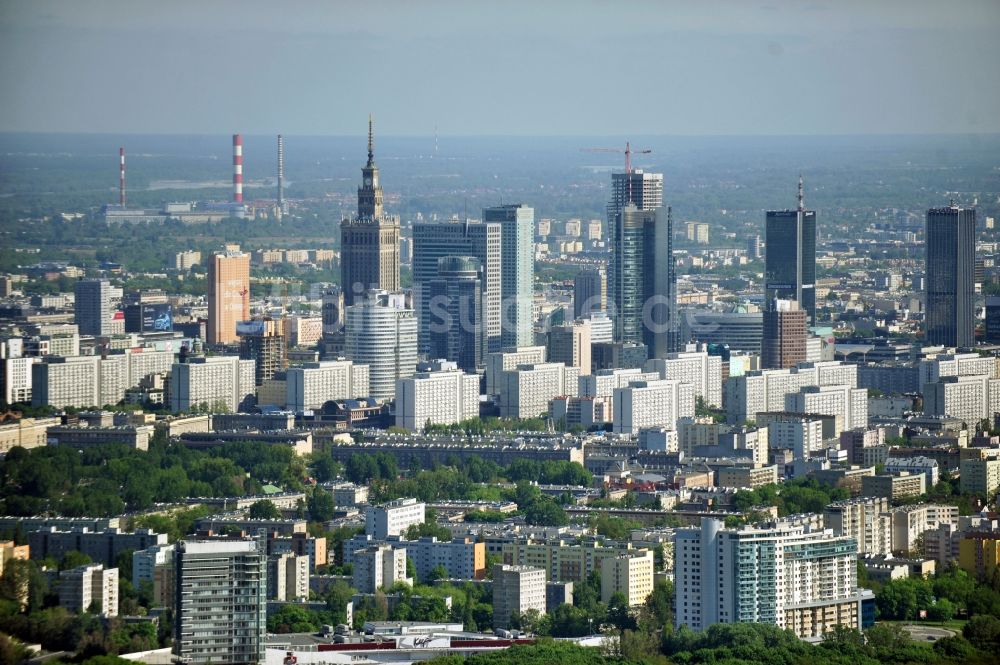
<point>628,159</point>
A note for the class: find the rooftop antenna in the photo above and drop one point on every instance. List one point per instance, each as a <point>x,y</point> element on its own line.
<point>802,201</point>
<point>371,141</point>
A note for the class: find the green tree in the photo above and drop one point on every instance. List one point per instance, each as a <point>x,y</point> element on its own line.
<point>264,510</point>
<point>321,505</point>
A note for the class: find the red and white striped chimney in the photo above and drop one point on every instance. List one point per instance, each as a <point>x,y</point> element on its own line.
<point>121,177</point>
<point>237,168</point>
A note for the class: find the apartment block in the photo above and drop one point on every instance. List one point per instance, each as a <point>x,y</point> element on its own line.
<point>379,567</point>
<point>629,573</point>
<point>894,486</point>
<point>911,523</point>
<point>503,361</point>
<point>393,518</point>
<point>863,519</point>
<point>313,384</point>
<point>89,587</point>
<point>652,404</point>
<point>525,392</point>
<point>980,476</point>
<point>288,577</point>
<point>221,601</point>
<point>436,398</point>
<point>516,589</point>
<point>220,382</point>
<point>781,574</point>
<point>701,370</point>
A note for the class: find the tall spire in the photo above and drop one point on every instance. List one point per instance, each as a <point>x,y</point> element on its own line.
<point>802,202</point>
<point>371,142</point>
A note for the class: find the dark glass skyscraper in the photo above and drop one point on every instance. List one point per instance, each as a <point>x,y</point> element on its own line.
<point>643,297</point>
<point>790,257</point>
<point>950,278</point>
<point>456,306</point>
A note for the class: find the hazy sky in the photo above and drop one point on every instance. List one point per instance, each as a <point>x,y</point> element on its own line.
<point>501,67</point>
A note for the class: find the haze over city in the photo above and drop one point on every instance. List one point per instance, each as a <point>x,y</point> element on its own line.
<point>532,68</point>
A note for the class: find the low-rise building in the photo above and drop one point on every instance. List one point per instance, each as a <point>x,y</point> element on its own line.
<point>894,486</point>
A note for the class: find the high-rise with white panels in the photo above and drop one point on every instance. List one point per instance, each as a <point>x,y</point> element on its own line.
<point>517,267</point>
<point>782,574</point>
<point>312,385</point>
<point>381,332</point>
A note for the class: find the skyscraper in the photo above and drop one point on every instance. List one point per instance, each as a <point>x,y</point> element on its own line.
<point>950,266</point>
<point>93,306</point>
<point>434,240</point>
<point>382,333</point>
<point>369,243</point>
<point>790,257</point>
<point>590,292</point>
<point>783,341</point>
<point>220,600</point>
<point>517,265</point>
<point>457,330</point>
<point>228,294</point>
<point>643,283</point>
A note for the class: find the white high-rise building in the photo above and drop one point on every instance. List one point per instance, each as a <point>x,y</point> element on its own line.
<point>288,577</point>
<point>525,392</point>
<point>802,436</point>
<point>438,398</point>
<point>517,266</point>
<point>503,361</point>
<point>698,368</point>
<point>864,519</point>
<point>219,382</point>
<point>144,562</point>
<point>311,385</point>
<point>652,404</point>
<point>381,332</point>
<point>968,397</point>
<point>848,405</point>
<point>516,589</point>
<point>955,364</point>
<point>87,587</point>
<point>61,381</point>
<point>379,567</point>
<point>394,518</point>
<point>15,371</point>
<point>786,575</point>
<point>629,573</point>
<point>748,394</point>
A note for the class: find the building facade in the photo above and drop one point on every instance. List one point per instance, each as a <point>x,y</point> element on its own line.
<point>369,243</point>
<point>228,294</point>
<point>517,265</point>
<point>950,274</point>
<point>381,332</point>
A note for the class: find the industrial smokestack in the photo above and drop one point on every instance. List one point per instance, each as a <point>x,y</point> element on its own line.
<point>281,172</point>
<point>121,177</point>
<point>237,168</point>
